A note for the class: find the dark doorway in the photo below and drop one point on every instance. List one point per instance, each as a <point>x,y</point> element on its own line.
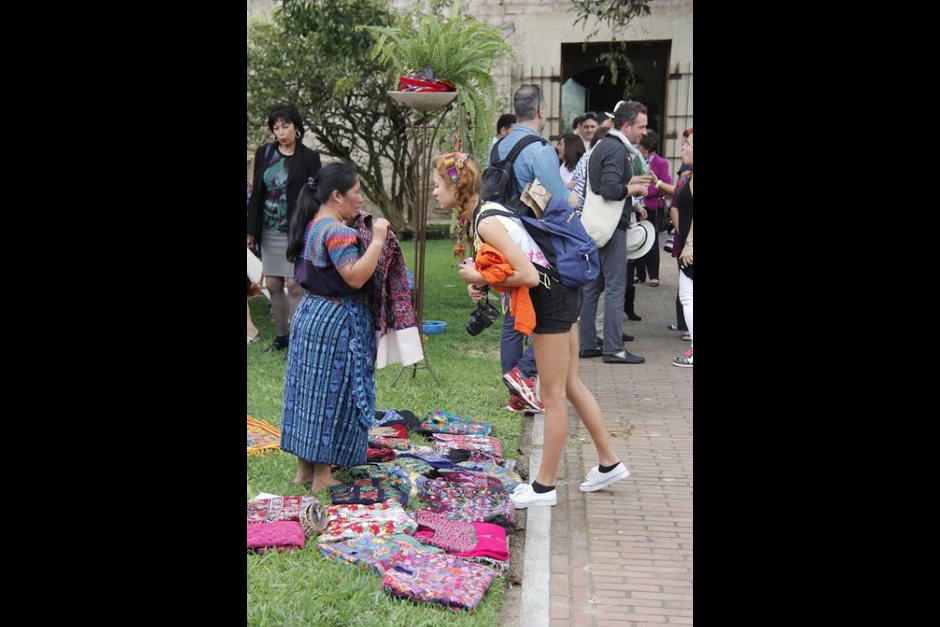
<point>587,86</point>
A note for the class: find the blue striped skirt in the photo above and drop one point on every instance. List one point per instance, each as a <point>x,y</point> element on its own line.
<point>329,388</point>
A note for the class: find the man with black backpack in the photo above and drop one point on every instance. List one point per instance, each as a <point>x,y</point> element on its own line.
<point>538,159</point>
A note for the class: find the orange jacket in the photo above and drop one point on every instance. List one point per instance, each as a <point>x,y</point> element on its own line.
<point>495,268</point>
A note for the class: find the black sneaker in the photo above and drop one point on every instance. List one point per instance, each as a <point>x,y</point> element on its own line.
<point>625,357</point>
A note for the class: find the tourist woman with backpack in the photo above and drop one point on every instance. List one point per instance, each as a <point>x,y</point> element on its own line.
<point>497,231</point>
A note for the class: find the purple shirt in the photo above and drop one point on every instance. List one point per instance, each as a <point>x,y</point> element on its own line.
<point>660,167</point>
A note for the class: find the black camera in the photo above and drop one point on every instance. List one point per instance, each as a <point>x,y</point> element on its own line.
<point>481,318</point>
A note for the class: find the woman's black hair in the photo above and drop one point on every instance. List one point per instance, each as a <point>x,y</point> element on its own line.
<point>650,141</point>
<point>286,113</point>
<point>340,177</point>
<point>574,150</point>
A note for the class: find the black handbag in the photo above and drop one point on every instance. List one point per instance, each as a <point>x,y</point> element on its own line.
<point>662,220</point>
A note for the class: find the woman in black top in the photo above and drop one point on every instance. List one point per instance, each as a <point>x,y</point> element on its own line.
<point>281,169</point>
<point>684,242</point>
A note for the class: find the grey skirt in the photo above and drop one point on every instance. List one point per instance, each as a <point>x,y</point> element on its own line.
<point>274,254</point>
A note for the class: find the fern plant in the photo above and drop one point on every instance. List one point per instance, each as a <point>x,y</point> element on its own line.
<point>461,50</point>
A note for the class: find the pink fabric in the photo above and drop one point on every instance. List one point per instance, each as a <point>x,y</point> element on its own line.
<point>278,535</point>
<point>463,539</point>
<point>277,509</point>
<point>443,579</point>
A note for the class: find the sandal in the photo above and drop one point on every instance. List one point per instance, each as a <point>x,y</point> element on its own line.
<point>686,337</point>
<point>654,283</point>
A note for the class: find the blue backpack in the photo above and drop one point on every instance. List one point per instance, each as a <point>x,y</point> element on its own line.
<point>560,235</point>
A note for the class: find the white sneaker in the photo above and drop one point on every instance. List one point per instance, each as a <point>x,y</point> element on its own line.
<point>524,496</point>
<point>597,480</point>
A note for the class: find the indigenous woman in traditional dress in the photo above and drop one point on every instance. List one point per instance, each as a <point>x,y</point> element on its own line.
<point>329,388</point>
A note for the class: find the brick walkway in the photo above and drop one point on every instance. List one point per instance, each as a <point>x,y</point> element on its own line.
<point>622,557</point>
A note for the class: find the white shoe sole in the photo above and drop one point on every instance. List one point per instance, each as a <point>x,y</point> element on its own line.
<point>525,410</point>
<point>615,477</point>
<point>681,365</point>
<point>540,503</point>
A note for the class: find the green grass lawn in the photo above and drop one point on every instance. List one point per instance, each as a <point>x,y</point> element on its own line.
<point>302,588</point>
